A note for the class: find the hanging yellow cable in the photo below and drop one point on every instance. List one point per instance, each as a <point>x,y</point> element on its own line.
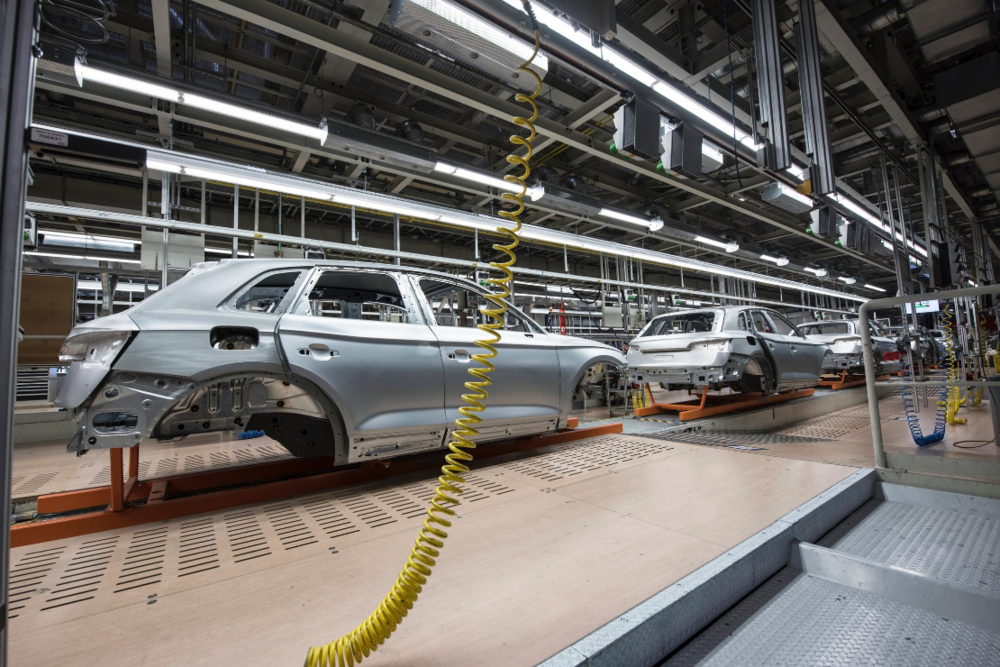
<point>951,366</point>
<point>376,629</point>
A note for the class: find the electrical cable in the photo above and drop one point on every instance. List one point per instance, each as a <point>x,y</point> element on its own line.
<point>92,13</point>
<point>908,395</point>
<point>378,627</point>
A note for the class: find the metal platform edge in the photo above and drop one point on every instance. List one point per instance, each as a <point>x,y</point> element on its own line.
<point>650,631</point>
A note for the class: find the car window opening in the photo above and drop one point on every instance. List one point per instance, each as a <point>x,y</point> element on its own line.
<point>358,296</point>
<point>682,323</point>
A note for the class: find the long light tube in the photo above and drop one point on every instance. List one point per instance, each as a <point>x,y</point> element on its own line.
<point>234,176</point>
<point>96,259</point>
<point>847,279</point>
<point>78,240</point>
<point>476,177</point>
<point>625,217</point>
<point>162,92</point>
<point>780,261</point>
<point>873,287</point>
<point>727,246</point>
<point>819,273</point>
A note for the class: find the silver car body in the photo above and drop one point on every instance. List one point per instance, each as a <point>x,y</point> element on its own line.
<point>844,339</point>
<point>378,376</point>
<point>725,346</point>
<point>922,344</point>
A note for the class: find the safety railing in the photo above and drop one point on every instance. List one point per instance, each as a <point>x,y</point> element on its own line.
<point>961,474</point>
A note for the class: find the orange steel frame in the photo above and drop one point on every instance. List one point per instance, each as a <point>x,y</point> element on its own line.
<point>115,506</point>
<point>710,405</point>
<point>847,381</point>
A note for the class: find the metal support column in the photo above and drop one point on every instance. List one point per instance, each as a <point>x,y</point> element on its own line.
<point>17,76</point>
<point>165,213</point>
<point>817,135</point>
<point>395,236</point>
<point>771,86</point>
<point>236,219</point>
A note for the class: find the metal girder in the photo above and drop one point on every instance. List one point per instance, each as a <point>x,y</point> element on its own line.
<point>161,36</point>
<point>817,134</point>
<point>771,85</point>
<point>289,23</point>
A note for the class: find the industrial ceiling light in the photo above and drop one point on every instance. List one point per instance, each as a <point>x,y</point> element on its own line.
<point>88,241</point>
<point>786,198</point>
<point>873,287</point>
<point>627,217</point>
<point>780,261</point>
<point>386,205</point>
<point>477,177</point>
<point>96,259</point>
<point>161,162</point>
<point>728,246</point>
<point>483,29</point>
<point>819,273</point>
<point>847,279</point>
<point>137,85</point>
<point>656,224</point>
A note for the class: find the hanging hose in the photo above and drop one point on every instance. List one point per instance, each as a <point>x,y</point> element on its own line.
<point>909,401</point>
<point>373,631</point>
<point>951,368</point>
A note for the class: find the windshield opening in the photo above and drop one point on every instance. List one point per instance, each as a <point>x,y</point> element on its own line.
<point>681,323</point>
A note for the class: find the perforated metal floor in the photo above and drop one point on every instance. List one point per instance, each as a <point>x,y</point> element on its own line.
<point>734,439</point>
<point>797,619</point>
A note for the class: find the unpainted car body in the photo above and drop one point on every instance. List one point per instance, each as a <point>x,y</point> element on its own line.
<point>346,359</point>
<point>844,339</point>
<point>744,347</point>
<point>923,345</point>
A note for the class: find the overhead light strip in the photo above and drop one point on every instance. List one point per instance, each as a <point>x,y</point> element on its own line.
<point>228,173</point>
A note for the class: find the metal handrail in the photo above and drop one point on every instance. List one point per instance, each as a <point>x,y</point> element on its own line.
<point>871,385</point>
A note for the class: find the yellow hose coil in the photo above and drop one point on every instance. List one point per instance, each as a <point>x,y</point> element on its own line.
<point>951,365</point>
<point>363,640</point>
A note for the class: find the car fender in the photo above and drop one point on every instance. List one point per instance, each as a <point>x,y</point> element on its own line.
<point>573,363</point>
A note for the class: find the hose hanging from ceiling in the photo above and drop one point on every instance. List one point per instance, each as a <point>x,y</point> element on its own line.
<point>378,627</point>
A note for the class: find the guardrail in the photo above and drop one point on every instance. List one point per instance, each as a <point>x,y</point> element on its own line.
<point>962,475</point>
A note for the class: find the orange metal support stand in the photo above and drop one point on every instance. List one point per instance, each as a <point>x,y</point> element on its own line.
<point>847,381</point>
<point>222,489</point>
<point>714,404</point>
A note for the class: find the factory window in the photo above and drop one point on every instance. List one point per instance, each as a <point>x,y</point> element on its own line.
<point>267,293</point>
<point>457,305</point>
<point>356,295</point>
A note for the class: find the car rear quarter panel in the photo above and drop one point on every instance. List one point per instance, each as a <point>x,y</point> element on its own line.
<point>576,355</point>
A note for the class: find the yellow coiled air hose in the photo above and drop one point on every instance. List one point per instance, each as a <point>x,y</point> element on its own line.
<point>951,366</point>
<point>375,630</point>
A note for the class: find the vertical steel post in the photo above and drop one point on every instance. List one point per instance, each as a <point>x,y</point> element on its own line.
<point>395,237</point>
<point>302,218</point>
<point>204,211</point>
<point>236,219</point>
<point>165,212</point>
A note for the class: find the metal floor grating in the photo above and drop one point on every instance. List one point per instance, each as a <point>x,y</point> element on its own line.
<point>83,576</point>
<point>798,619</point>
<point>571,459</point>
<point>952,546</point>
<point>845,422</point>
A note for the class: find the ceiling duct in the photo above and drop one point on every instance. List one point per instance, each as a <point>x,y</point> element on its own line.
<point>467,38</point>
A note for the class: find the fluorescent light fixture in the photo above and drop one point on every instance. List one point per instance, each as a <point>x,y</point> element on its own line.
<point>625,217</point>
<point>227,252</point>
<point>159,165</point>
<point>725,245</point>
<point>847,279</point>
<point>873,287</point>
<point>780,261</point>
<point>387,205</point>
<point>625,65</point>
<point>488,31</point>
<point>235,176</point>
<point>819,273</point>
<point>137,85</point>
<point>121,287</point>
<point>128,83</point>
<point>477,177</point>
<point>797,172</point>
<point>252,116</point>
<point>71,240</point>
<point>97,259</point>
<point>796,195</point>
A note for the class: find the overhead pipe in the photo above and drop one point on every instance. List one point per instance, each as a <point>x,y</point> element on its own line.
<point>884,16</point>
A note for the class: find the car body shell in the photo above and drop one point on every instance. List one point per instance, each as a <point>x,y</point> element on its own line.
<point>924,346</point>
<point>846,349</point>
<point>733,349</point>
<point>354,389</point>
